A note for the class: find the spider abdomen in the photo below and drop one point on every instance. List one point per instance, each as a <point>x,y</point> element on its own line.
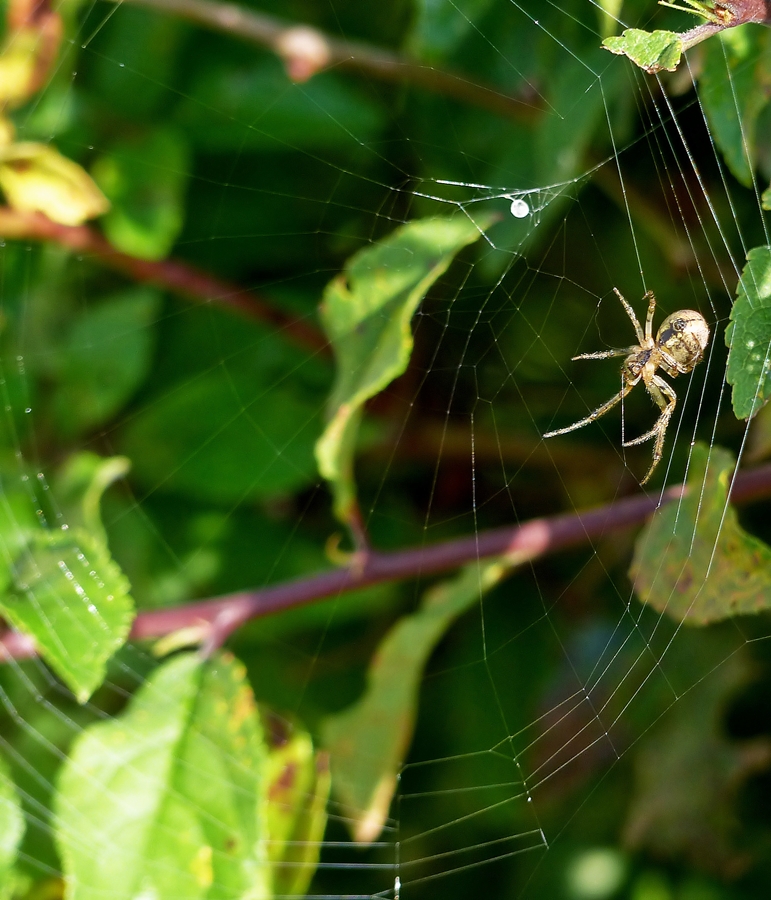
<point>682,338</point>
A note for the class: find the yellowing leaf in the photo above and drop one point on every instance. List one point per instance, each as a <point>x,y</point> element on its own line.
<point>37,178</point>
<point>297,785</point>
<point>18,67</point>
<point>166,801</point>
<point>693,560</point>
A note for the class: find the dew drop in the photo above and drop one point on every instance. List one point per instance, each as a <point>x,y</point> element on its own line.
<point>519,208</point>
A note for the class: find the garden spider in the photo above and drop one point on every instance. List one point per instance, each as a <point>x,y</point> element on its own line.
<point>678,347</point>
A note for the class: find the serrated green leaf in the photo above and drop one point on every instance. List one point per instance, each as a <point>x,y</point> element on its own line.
<point>368,741</point>
<point>748,336</point>
<point>366,312</point>
<point>69,595</point>
<point>103,359</point>
<point>62,587</point>
<point>297,786</point>
<point>733,89</point>
<point>652,51</point>
<point>11,824</point>
<point>167,800</point>
<point>145,181</point>
<point>693,560</point>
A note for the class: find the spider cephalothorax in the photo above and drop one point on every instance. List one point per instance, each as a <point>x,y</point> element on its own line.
<point>678,346</point>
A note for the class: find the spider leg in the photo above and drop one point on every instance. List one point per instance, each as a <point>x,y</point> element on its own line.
<point>605,354</point>
<point>666,399</point>
<point>631,313</point>
<point>649,296</point>
<point>600,411</point>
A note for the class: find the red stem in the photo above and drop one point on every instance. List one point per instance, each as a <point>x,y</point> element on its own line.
<point>520,543</point>
<point>377,62</point>
<point>173,275</point>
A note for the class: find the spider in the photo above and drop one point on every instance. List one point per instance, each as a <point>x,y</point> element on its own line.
<point>678,346</point>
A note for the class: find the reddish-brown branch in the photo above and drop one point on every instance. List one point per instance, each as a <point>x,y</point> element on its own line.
<point>733,13</point>
<point>306,50</point>
<point>521,543</point>
<point>172,275</point>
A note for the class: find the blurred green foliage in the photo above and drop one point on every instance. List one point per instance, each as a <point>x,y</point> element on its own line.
<point>553,717</point>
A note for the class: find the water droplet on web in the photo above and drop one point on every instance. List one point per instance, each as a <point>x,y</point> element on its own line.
<point>519,208</point>
<point>28,409</point>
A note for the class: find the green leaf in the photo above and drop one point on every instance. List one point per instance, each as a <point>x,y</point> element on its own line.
<point>748,336</point>
<point>63,588</point>
<point>11,825</point>
<point>255,106</point>
<point>225,437</point>
<point>69,595</point>
<point>80,484</point>
<point>652,51</point>
<point>297,786</point>
<point>733,89</point>
<point>369,740</point>
<point>366,312</point>
<point>440,27</point>
<point>103,359</point>
<point>145,180</point>
<point>693,560</point>
<point>167,800</point>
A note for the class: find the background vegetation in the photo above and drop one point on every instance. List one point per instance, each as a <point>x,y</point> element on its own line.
<point>303,339</point>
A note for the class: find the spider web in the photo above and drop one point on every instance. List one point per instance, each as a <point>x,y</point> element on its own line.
<point>538,708</point>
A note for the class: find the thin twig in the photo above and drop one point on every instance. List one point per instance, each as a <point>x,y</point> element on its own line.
<point>728,14</point>
<point>172,275</point>
<point>522,543</point>
<point>276,34</point>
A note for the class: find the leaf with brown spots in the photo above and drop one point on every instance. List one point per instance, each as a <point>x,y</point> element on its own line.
<point>693,560</point>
